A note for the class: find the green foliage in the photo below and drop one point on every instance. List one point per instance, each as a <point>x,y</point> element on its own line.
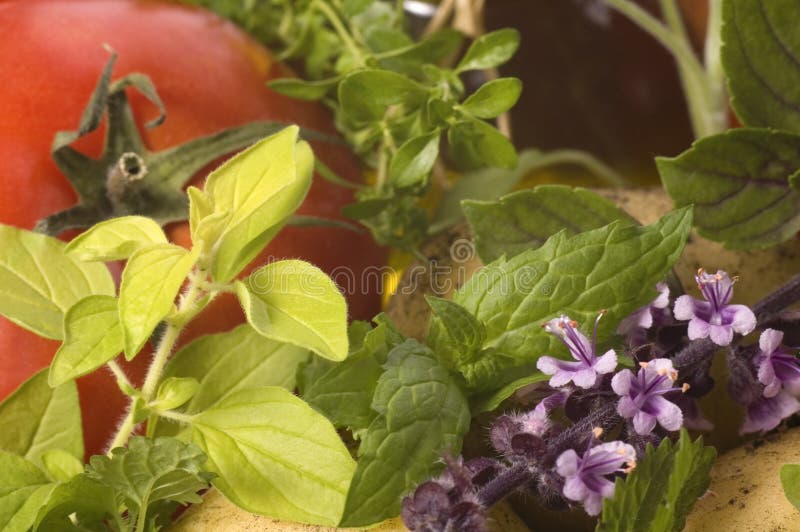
<point>23,489</point>
<point>658,495</point>
<point>116,239</point>
<point>790,480</point>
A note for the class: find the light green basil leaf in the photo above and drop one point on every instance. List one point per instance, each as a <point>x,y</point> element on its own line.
<point>614,268</point>
<point>422,415</point>
<point>761,57</point>
<point>23,490</point>
<point>275,456</point>
<point>150,282</point>
<point>37,418</point>
<point>249,199</point>
<point>39,282</point>
<point>295,302</point>
<point>174,392</point>
<point>490,50</point>
<point>303,89</point>
<point>116,239</point>
<point>658,495</point>
<point>92,337</point>
<point>790,481</point>
<point>366,94</point>
<point>525,219</point>
<point>475,143</point>
<point>61,465</point>
<point>740,183</point>
<point>412,163</point>
<point>493,98</point>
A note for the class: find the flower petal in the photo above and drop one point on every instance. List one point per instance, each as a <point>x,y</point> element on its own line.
<point>626,407</point>
<point>770,340</point>
<point>606,363</point>
<point>575,489</point>
<point>720,334</point>
<point>697,329</point>
<point>669,414</point>
<point>584,378</point>
<point>567,463</point>
<point>744,321</point>
<point>684,308</point>
<point>621,383</point>
<point>644,423</point>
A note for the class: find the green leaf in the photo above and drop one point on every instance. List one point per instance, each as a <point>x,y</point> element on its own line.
<point>464,331</point>
<point>658,495</point>
<point>37,418</point>
<point>39,283</point>
<point>150,471</point>
<point>614,268</point>
<point>412,163</point>
<point>276,456</point>
<point>92,337</point>
<point>303,89</point>
<point>365,95</point>
<point>493,98</point>
<point>355,7</point>
<point>174,392</point>
<point>413,57</point>
<point>150,282</point>
<point>490,401</point>
<point>790,480</point>
<point>248,200</point>
<point>490,50</point>
<point>475,143</point>
<point>86,501</point>
<point>423,414</point>
<point>23,490</point>
<point>295,302</point>
<point>61,465</point>
<point>761,57</point>
<point>740,183</point>
<point>116,239</point>
<point>525,219</point>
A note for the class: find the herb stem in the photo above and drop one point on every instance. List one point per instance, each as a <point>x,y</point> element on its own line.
<point>587,161</point>
<point>333,18</point>
<point>119,374</point>
<point>504,484</point>
<point>176,416</point>
<point>785,295</point>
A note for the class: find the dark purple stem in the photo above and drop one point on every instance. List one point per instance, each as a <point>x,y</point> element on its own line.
<point>505,483</point>
<point>778,300</point>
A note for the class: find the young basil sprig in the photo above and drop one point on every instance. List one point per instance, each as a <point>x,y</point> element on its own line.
<point>243,437</point>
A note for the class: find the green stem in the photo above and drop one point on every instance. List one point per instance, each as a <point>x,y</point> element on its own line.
<point>712,56</point>
<point>119,374</point>
<point>586,160</point>
<point>348,41</point>
<point>176,416</point>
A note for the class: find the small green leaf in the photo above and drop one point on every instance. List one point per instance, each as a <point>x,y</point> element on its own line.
<point>614,268</point>
<point>490,50</point>
<point>92,337</point>
<point>60,465</point>
<point>37,418</point>
<point>740,183</point>
<point>790,480</point>
<point>150,282</point>
<point>39,283</point>
<point>658,495</point>
<point>249,199</point>
<point>526,219</point>
<point>295,302</point>
<point>303,89</point>
<point>423,414</point>
<point>475,143</point>
<point>276,456</point>
<point>430,50</point>
<point>116,239</point>
<point>23,490</point>
<point>494,98</point>
<point>464,331</point>
<point>174,392</point>
<point>761,57</point>
<point>80,503</point>
<point>365,95</point>
<point>412,163</point>
<point>490,401</point>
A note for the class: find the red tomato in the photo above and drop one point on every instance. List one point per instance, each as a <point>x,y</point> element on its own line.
<point>210,76</point>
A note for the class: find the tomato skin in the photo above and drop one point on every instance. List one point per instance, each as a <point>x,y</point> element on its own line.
<point>210,76</point>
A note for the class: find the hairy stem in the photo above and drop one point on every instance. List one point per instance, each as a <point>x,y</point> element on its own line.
<point>504,484</point>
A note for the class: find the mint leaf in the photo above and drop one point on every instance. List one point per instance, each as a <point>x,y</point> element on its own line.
<point>614,268</point>
<point>23,490</point>
<point>422,415</point>
<point>493,98</point>
<point>92,337</point>
<point>116,239</point>
<point>292,301</point>
<point>37,418</point>
<point>39,283</point>
<point>525,219</point>
<point>490,50</point>
<point>761,57</point>
<point>658,495</point>
<point>151,471</point>
<point>790,480</point>
<point>464,331</point>
<point>740,183</point>
<point>150,282</point>
<point>247,200</point>
<point>474,143</point>
<point>275,456</point>
<point>412,163</point>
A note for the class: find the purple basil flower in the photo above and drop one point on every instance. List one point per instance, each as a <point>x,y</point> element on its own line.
<point>643,317</point>
<point>714,318</point>
<point>642,396</point>
<point>521,434</point>
<point>585,477</point>
<point>766,413</point>
<point>776,368</point>
<point>588,365</point>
